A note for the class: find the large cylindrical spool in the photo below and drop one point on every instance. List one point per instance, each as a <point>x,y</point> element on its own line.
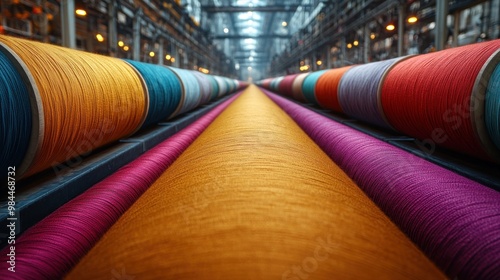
<point>327,88</point>
<point>309,86</point>
<point>205,86</point>
<point>164,89</point>
<point>190,90</point>
<point>81,101</point>
<point>359,91</point>
<point>214,87</point>
<point>297,93</point>
<point>439,98</point>
<point>285,87</point>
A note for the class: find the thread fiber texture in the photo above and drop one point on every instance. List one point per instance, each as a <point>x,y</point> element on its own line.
<point>164,89</point>
<point>492,107</point>
<point>327,88</point>
<point>309,86</point>
<point>88,100</point>
<point>15,116</point>
<point>53,246</point>
<point>454,220</point>
<point>429,96</point>
<point>358,91</point>
<point>238,205</point>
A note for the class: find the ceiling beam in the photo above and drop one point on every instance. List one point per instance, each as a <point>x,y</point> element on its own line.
<point>237,9</point>
<point>263,36</point>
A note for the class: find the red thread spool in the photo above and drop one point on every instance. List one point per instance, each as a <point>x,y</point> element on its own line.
<point>439,98</point>
<point>327,89</point>
<point>285,87</point>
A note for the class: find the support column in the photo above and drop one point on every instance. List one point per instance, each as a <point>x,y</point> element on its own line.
<point>112,29</point>
<point>68,25</point>
<point>366,44</point>
<point>161,53</point>
<point>185,59</point>
<point>343,50</point>
<point>456,28</point>
<point>401,27</point>
<point>328,64</point>
<point>441,27</point>
<point>136,50</point>
<point>175,56</point>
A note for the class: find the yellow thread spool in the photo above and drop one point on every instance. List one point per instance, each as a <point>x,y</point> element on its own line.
<point>255,198</point>
<point>86,101</point>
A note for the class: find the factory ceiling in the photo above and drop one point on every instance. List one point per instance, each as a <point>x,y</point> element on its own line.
<point>250,32</point>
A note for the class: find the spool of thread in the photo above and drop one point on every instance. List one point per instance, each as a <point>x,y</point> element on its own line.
<point>222,86</point>
<point>309,86</point>
<point>15,113</point>
<point>84,101</point>
<point>285,87</point>
<point>491,110</point>
<point>205,87</point>
<point>265,83</point>
<point>190,90</point>
<point>229,86</point>
<point>440,97</point>
<point>164,88</point>
<point>222,220</point>
<point>49,249</point>
<point>275,84</point>
<point>359,91</point>
<point>454,220</point>
<point>297,93</point>
<point>327,89</point>
<point>214,87</point>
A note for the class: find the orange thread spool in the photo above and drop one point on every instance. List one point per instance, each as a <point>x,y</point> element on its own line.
<point>327,89</point>
<point>83,101</point>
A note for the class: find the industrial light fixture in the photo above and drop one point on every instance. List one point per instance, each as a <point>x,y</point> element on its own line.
<point>390,27</point>
<point>250,58</point>
<point>168,57</point>
<point>412,19</point>
<point>81,12</point>
<point>284,24</point>
<point>172,59</point>
<point>99,37</point>
<point>319,62</point>
<point>355,43</point>
<point>372,36</point>
<point>226,30</point>
<point>121,44</point>
<point>203,70</point>
<point>349,45</point>
<point>126,48</point>
<point>152,54</point>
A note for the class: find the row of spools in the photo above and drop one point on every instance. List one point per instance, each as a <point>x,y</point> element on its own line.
<point>449,98</point>
<point>58,103</point>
